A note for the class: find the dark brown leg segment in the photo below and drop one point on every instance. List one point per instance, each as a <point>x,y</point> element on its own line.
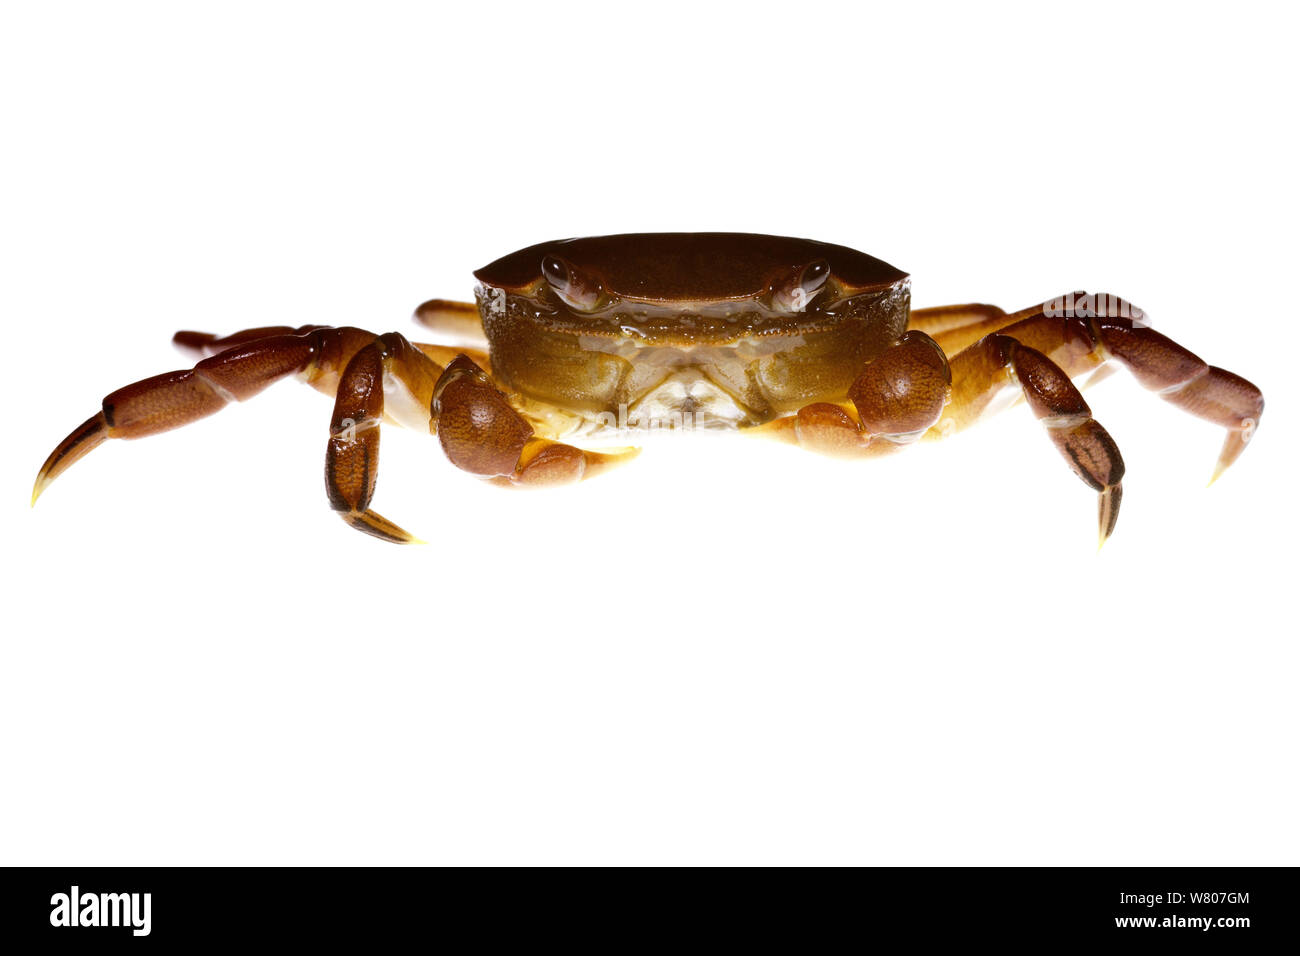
<point>352,456</point>
<point>997,362</point>
<point>1183,379</point>
<point>205,343</point>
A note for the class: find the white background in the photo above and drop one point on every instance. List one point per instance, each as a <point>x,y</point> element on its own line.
<point>728,652</point>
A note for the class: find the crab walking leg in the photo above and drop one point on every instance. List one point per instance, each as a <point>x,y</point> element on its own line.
<point>173,399</point>
<point>1107,329</point>
<point>481,433</point>
<point>956,326</point>
<point>352,455</point>
<point>999,361</point>
<point>452,319</point>
<point>205,343</point>
<point>446,354</point>
<point>898,396</point>
<point>1183,379</point>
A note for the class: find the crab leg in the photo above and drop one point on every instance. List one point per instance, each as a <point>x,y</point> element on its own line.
<point>205,343</point>
<point>999,361</point>
<point>1113,330</point>
<point>480,431</point>
<point>163,402</point>
<point>956,326</point>
<point>446,354</point>
<point>452,319</point>
<point>352,455</point>
<point>1183,379</point>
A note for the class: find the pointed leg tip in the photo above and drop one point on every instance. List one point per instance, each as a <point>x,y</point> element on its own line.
<point>1233,445</point>
<point>618,453</point>
<point>43,481</point>
<point>1231,450</point>
<point>1108,513</point>
<point>84,439</point>
<point>376,525</point>
<point>598,462</point>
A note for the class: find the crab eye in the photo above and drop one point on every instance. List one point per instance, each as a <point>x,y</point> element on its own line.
<point>814,277</point>
<point>556,271</point>
<point>794,294</point>
<point>576,290</point>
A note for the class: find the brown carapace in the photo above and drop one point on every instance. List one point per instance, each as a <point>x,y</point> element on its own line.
<point>584,339</point>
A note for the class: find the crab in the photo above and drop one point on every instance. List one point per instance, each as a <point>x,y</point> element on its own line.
<point>581,339</point>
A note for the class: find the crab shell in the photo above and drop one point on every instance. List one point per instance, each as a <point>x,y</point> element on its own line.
<point>732,326</point>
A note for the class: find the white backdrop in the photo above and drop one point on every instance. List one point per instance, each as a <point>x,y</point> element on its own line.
<point>728,651</point>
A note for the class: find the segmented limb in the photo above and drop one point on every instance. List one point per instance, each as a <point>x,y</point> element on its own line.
<point>352,455</point>
<point>163,402</point>
<point>372,379</point>
<point>998,361</point>
<point>897,397</point>
<point>1083,333</point>
<point>954,327</point>
<point>446,354</point>
<point>1183,379</point>
<point>458,320</point>
<point>205,343</point>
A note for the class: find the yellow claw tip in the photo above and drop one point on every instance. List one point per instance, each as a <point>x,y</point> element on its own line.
<point>42,482</point>
<point>1103,535</point>
<point>84,439</point>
